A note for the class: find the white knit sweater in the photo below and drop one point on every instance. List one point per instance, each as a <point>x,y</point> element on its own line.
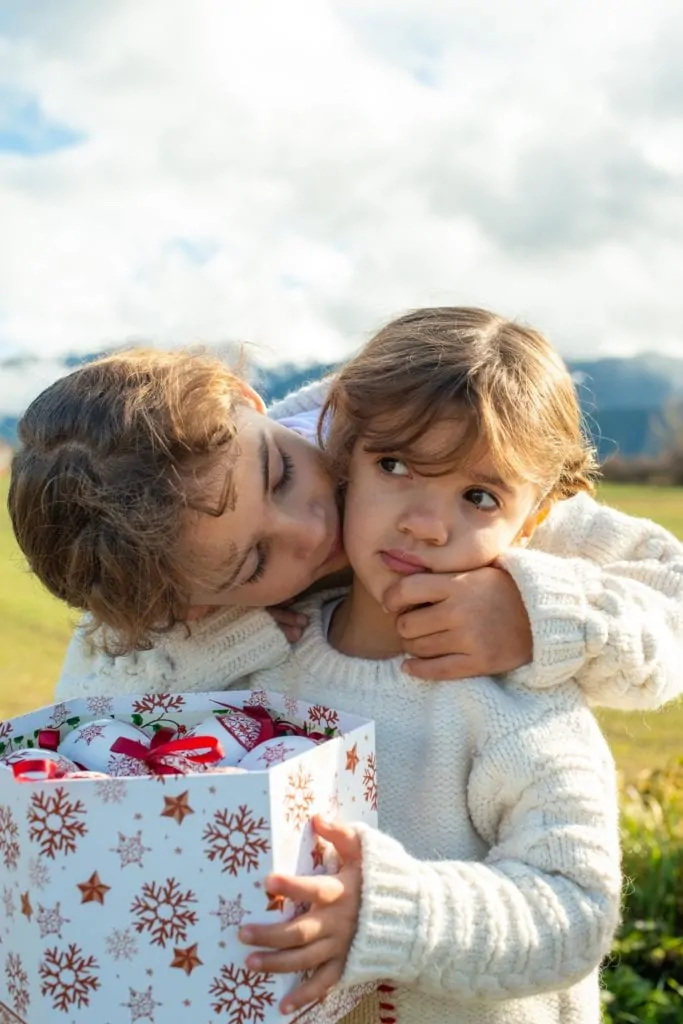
<point>496,875</point>
<point>604,593</point>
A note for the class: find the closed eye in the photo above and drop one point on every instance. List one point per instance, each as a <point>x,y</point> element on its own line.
<point>261,563</point>
<point>287,474</point>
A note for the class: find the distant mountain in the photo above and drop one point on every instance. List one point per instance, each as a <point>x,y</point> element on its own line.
<point>622,399</point>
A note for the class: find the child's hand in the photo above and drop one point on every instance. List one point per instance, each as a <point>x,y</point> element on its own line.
<point>319,940</point>
<point>290,622</point>
<point>475,623</point>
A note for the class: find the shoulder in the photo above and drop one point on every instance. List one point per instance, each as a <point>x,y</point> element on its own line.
<point>506,713</point>
<point>581,525</point>
<point>308,398</point>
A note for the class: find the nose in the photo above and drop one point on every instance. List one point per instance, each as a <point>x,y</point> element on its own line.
<point>425,524</point>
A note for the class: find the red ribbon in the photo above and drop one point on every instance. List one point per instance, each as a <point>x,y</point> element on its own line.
<point>161,747</point>
<point>259,714</point>
<point>49,768</point>
<point>48,739</point>
<point>284,728</point>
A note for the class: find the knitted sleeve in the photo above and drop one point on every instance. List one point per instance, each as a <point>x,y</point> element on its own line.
<point>210,654</point>
<point>604,593</point>
<point>306,399</point>
<point>538,913</point>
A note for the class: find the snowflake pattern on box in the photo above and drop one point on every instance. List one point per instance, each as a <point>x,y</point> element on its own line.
<point>231,913</point>
<point>38,873</point>
<point>55,822</point>
<point>50,921</point>
<point>131,849</point>
<point>100,705</point>
<point>9,839</point>
<point>121,944</point>
<point>257,699</point>
<point>8,902</point>
<point>291,705</point>
<point>241,994</point>
<point>163,702</point>
<point>319,715</point>
<point>141,1005</point>
<point>60,713</point>
<point>68,977</point>
<point>5,730</point>
<point>163,911</point>
<point>370,781</point>
<point>111,791</point>
<point>17,983</point>
<point>118,916</point>
<point>234,839</point>
<point>299,797</point>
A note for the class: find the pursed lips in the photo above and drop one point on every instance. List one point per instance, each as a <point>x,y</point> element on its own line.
<point>402,562</point>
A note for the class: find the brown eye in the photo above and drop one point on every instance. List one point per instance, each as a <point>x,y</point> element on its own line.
<point>392,466</point>
<point>482,499</point>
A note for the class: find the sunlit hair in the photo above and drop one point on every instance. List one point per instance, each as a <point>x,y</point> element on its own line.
<point>503,379</point>
<point>111,457</point>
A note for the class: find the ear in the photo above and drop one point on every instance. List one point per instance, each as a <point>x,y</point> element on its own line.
<point>252,397</point>
<point>534,520</point>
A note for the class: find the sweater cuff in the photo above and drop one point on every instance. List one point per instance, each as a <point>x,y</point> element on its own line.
<point>387,942</point>
<point>555,593</point>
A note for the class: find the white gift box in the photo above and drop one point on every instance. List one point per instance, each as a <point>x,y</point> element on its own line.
<point>120,898</point>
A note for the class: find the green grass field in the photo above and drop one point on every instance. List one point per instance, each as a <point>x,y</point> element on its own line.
<point>34,629</point>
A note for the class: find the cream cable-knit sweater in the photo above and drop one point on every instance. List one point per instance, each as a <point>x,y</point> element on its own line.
<point>496,876</point>
<point>604,594</point>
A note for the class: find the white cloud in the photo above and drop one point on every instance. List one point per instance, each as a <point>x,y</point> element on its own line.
<point>292,174</point>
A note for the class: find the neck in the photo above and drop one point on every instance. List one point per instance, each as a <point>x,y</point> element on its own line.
<point>362,629</point>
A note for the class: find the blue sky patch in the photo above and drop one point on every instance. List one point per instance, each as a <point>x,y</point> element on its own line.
<point>27,130</point>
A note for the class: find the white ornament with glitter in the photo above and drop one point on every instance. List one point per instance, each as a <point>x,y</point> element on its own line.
<point>90,745</point>
<point>275,751</point>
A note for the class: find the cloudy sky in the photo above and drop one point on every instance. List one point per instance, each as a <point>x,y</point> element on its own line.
<point>291,174</point>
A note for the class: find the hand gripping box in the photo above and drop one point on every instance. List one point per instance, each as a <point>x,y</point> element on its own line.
<point>120,898</point>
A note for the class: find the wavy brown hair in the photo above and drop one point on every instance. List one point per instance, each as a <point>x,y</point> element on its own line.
<point>430,365</point>
<point>111,457</point>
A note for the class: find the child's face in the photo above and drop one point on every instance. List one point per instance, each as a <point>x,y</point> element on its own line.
<point>398,521</point>
<point>280,531</point>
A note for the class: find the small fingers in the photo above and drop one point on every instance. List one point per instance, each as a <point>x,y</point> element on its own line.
<point>438,670</point>
<point>319,889</point>
<point>287,617</point>
<point>314,988</point>
<point>343,837</point>
<point>289,961</point>
<point>435,646</point>
<point>284,935</point>
<point>420,588</point>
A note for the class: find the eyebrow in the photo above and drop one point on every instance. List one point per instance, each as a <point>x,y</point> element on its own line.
<point>237,559</point>
<point>492,480</point>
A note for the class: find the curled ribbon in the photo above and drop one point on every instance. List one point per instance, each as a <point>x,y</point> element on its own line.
<point>24,770</point>
<point>283,728</point>
<point>198,749</point>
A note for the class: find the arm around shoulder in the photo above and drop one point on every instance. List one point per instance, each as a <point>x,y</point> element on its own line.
<point>604,594</point>
<point>213,653</point>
